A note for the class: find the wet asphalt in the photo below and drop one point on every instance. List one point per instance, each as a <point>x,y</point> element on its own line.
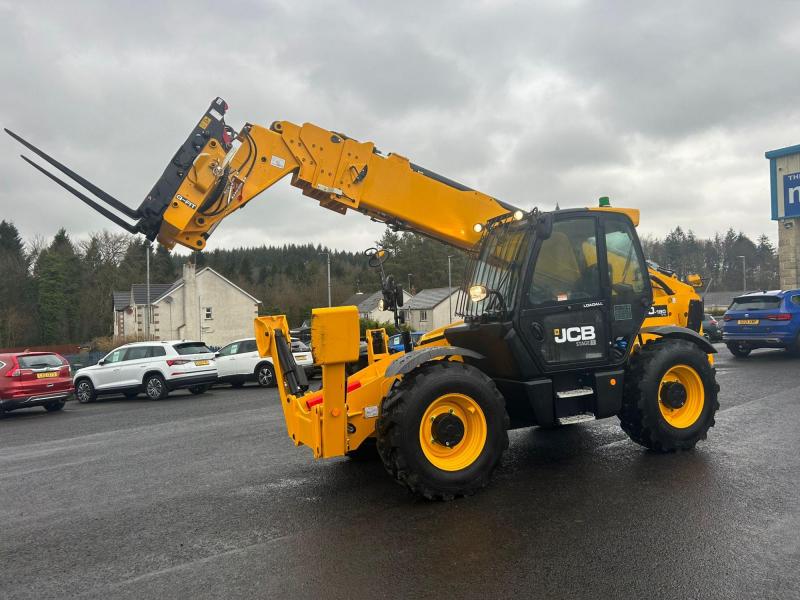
<point>206,497</point>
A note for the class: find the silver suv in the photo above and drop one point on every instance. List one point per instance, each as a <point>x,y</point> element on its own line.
<point>155,368</point>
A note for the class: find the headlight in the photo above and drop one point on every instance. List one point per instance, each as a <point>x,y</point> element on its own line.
<point>477,228</point>
<point>518,214</point>
<point>478,293</point>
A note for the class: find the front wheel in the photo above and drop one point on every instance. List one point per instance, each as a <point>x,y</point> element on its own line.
<point>739,349</point>
<point>84,391</point>
<point>670,396</point>
<point>265,374</point>
<point>196,390</point>
<point>442,430</point>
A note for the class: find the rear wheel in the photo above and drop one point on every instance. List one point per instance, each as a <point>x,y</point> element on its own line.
<point>442,430</point>
<point>84,391</point>
<point>198,389</point>
<point>155,388</point>
<point>54,406</point>
<point>739,349</point>
<point>265,374</point>
<point>670,396</point>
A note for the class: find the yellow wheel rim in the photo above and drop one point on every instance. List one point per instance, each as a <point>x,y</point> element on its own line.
<point>685,414</point>
<point>468,447</point>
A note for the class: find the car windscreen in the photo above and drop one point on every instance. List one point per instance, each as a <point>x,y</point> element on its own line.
<point>192,348</point>
<point>39,361</point>
<point>756,303</point>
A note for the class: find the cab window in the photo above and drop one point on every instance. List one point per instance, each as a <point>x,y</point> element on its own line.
<point>624,265</point>
<point>566,267</point>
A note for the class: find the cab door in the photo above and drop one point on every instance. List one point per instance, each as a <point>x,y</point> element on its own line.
<point>564,304</point>
<point>587,293</point>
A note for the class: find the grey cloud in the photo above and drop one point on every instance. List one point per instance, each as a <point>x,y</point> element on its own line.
<point>535,103</point>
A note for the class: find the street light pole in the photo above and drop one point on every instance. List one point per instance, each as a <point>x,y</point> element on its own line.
<point>449,288</point>
<point>410,275</point>
<point>328,260</point>
<point>147,306</point>
<point>744,274</point>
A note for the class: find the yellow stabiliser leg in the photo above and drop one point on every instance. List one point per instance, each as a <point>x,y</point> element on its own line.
<point>316,419</point>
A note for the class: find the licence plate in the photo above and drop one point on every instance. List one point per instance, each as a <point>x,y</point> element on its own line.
<point>201,363</point>
<point>45,375</point>
<point>747,321</point>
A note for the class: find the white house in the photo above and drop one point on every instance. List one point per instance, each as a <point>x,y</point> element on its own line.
<point>201,305</point>
<point>368,306</point>
<point>432,308</point>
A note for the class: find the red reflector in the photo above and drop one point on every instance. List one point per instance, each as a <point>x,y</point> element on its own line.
<point>177,361</point>
<point>353,386</point>
<point>726,318</point>
<point>780,317</point>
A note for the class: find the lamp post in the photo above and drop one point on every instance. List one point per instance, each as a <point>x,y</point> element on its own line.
<point>328,260</point>
<point>449,288</point>
<point>744,273</point>
<point>147,306</point>
<point>410,275</point>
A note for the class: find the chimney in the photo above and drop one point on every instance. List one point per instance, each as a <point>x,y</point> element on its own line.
<point>191,303</point>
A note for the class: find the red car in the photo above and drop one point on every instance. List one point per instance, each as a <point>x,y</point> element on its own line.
<point>34,379</point>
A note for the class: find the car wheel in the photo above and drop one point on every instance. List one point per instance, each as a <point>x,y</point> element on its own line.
<point>198,389</point>
<point>54,406</point>
<point>155,388</point>
<point>265,375</point>
<point>84,391</point>
<point>739,349</point>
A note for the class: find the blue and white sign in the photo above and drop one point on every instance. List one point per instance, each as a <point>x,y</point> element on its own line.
<point>791,195</point>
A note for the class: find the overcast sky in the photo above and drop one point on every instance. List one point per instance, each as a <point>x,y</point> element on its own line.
<point>667,106</point>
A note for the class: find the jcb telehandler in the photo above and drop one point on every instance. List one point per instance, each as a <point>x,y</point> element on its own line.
<point>562,318</point>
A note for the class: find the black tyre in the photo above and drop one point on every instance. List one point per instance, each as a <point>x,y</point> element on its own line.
<point>198,389</point>
<point>265,375</point>
<point>367,451</point>
<point>54,406</point>
<point>442,430</point>
<point>154,387</point>
<point>84,391</point>
<point>670,396</point>
<point>739,349</point>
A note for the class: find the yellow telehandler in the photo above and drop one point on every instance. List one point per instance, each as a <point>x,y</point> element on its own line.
<point>561,318</point>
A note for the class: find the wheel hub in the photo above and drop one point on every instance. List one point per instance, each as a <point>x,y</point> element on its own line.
<point>673,394</point>
<point>447,429</point>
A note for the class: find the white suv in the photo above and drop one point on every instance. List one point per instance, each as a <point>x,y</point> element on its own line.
<point>239,362</point>
<point>155,368</point>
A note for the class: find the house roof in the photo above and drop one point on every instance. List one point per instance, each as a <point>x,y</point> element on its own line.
<point>179,283</point>
<point>356,299</point>
<point>430,298</point>
<point>139,291</point>
<point>367,302</point>
<point>122,300</point>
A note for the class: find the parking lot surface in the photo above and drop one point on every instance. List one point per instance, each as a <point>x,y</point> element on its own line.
<point>206,497</point>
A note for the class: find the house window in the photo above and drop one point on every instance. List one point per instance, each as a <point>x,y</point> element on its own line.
<point>423,315</point>
<point>209,313</point>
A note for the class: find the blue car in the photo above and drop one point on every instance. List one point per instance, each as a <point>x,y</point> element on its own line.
<point>396,342</point>
<point>763,320</point>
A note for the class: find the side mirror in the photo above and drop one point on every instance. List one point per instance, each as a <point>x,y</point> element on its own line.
<point>216,354</point>
<point>101,362</point>
<point>544,225</point>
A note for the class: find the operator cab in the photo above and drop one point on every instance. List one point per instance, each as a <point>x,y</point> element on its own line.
<point>565,295</point>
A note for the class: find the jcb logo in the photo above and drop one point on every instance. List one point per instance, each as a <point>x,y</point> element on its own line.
<point>574,334</point>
